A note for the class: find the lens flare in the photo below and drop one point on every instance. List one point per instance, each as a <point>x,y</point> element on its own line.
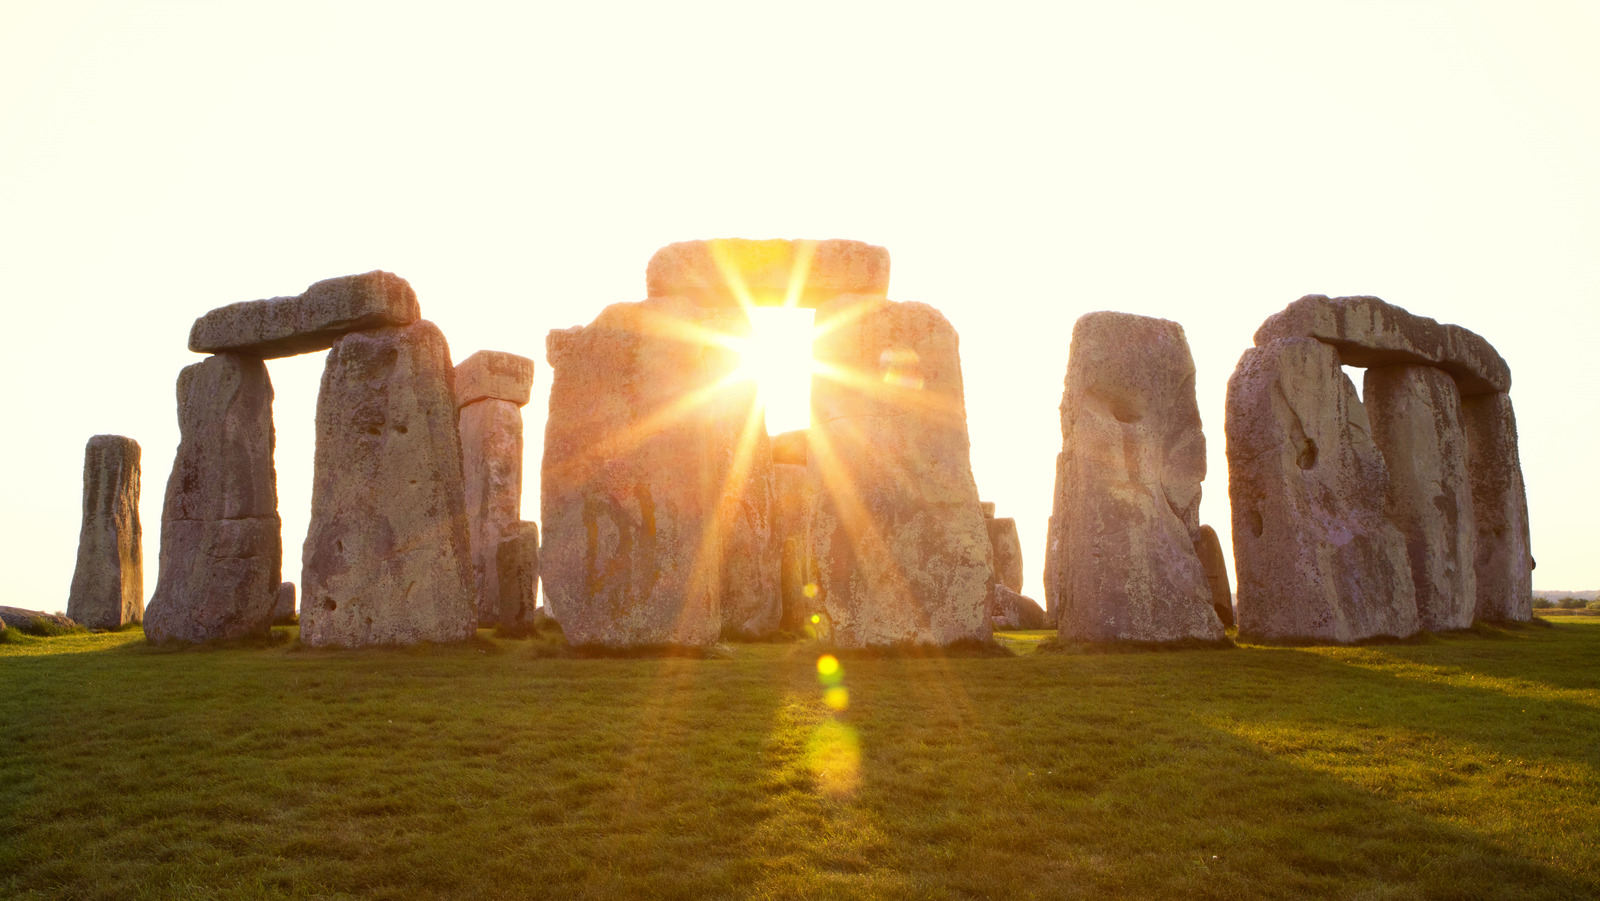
<point>834,757</point>
<point>777,356</point>
<point>827,665</point>
<point>837,697</point>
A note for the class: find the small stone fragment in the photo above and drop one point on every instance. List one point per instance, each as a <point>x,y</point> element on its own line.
<point>387,560</point>
<point>1369,332</point>
<point>35,622</point>
<point>1012,611</point>
<point>1127,498</point>
<point>1503,557</point>
<point>329,309</point>
<point>1209,549</point>
<point>987,508</point>
<point>221,540</point>
<point>1315,554</point>
<point>767,273</point>
<point>517,559</point>
<point>1415,413</point>
<point>108,583</point>
<point>284,613</point>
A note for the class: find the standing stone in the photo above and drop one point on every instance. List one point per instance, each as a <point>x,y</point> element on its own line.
<point>108,583</point>
<point>221,539</point>
<point>793,495</point>
<point>632,478</point>
<point>1128,497</point>
<point>1007,549</point>
<point>517,561</point>
<point>1209,549</point>
<point>491,389</point>
<point>1415,413</point>
<point>284,613</point>
<point>902,552</point>
<point>1503,560</point>
<point>387,558</point>
<point>1316,556</point>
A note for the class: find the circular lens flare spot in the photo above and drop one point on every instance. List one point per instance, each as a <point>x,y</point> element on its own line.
<point>837,697</point>
<point>827,665</point>
<point>834,757</point>
<point>810,591</point>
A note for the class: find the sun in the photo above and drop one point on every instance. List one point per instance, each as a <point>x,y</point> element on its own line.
<point>776,355</point>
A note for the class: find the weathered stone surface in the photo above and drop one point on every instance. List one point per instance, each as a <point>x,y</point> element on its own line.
<point>108,582</point>
<point>793,495</point>
<point>1010,610</point>
<point>987,509</point>
<point>636,478</point>
<point>496,375</point>
<point>707,271</point>
<point>1128,489</point>
<point>491,463</point>
<point>1370,332</point>
<point>221,539</point>
<point>1503,564</point>
<point>789,447</point>
<point>902,552</point>
<point>1007,548</point>
<point>1315,555</point>
<point>283,613</point>
<point>35,622</point>
<point>1209,549</point>
<point>1415,413</point>
<point>517,560</point>
<point>387,559</point>
<point>752,602</point>
<point>285,326</point>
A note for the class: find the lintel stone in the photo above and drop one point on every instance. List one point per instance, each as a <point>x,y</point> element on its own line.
<point>308,322</point>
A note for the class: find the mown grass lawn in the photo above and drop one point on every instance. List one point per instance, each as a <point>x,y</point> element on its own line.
<point>1463,766</point>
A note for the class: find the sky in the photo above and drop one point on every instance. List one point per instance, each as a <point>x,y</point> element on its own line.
<point>1023,163</point>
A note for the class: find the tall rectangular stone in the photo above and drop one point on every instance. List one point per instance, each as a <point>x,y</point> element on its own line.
<point>1415,413</point>
<point>1503,557</point>
<point>108,582</point>
<point>491,387</point>
<point>387,557</point>
<point>1317,558</point>
<point>221,538</point>
<point>902,552</point>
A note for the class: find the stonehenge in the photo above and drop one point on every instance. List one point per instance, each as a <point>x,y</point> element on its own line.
<point>1352,519</point>
<point>670,518</point>
<point>1123,566</point>
<point>108,582</point>
<point>491,389</point>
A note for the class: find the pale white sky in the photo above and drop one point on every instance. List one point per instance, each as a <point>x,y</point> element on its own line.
<point>1024,164</point>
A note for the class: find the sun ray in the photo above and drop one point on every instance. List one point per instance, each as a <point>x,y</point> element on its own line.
<point>799,272</point>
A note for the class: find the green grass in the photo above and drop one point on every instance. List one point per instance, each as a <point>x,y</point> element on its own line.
<point>1462,766</point>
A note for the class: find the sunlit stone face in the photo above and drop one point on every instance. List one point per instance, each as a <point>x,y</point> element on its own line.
<point>777,356</point>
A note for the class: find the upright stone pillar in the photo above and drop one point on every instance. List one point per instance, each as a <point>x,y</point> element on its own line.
<point>221,539</point>
<point>517,560</point>
<point>631,478</point>
<point>1503,559</point>
<point>903,555</point>
<point>108,583</point>
<point>491,389</point>
<point>1316,555</point>
<point>387,557</point>
<point>1415,413</point>
<point>1208,547</point>
<point>1006,547</point>
<point>1127,501</point>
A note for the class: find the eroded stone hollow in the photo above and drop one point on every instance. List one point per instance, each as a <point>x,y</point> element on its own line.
<point>669,516</point>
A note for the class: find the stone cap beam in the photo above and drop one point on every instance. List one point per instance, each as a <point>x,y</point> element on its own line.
<point>1370,332</point>
<point>494,374</point>
<point>703,270</point>
<point>312,321</point>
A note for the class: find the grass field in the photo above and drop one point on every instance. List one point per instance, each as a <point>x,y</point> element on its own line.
<point>1462,766</point>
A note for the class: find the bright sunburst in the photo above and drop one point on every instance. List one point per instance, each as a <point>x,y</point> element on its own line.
<point>777,356</point>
